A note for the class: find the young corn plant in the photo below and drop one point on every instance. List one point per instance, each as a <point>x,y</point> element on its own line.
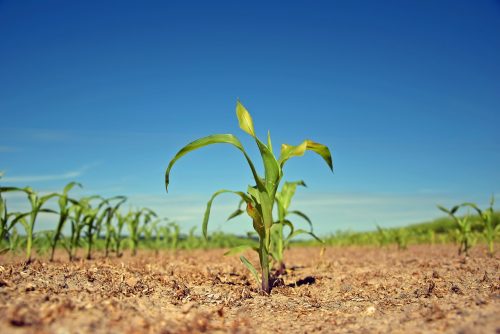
<point>121,221</point>
<point>64,212</point>
<point>191,239</point>
<point>6,221</point>
<point>109,214</point>
<point>134,226</point>
<point>78,222</point>
<point>490,231</point>
<point>464,229</point>
<point>43,241</point>
<point>176,231</point>
<point>260,197</point>
<point>37,203</point>
<point>383,236</point>
<point>158,234</point>
<point>401,237</point>
<point>93,218</point>
<point>152,235</point>
<point>14,240</point>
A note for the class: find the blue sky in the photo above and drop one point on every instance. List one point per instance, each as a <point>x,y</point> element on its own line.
<point>406,95</point>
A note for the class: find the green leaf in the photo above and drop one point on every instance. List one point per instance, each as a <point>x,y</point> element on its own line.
<point>445,210</point>
<point>251,268</point>
<point>299,232</point>
<point>288,191</point>
<point>269,143</point>
<point>10,189</point>
<point>47,197</point>
<point>271,167</point>
<point>238,211</point>
<point>244,119</point>
<point>239,249</point>
<point>18,217</point>
<point>302,215</point>
<point>475,207</point>
<point>235,214</point>
<point>454,209</point>
<point>209,140</point>
<point>70,186</point>
<point>48,211</point>
<point>209,206</point>
<point>290,226</point>
<point>289,151</point>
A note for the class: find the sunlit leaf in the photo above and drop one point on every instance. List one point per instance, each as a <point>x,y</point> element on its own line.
<point>244,119</point>
<point>209,140</point>
<point>289,151</point>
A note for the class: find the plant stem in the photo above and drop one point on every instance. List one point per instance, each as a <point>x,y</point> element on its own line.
<point>264,264</point>
<point>29,243</point>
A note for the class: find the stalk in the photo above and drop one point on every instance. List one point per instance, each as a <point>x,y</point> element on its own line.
<point>264,264</point>
<point>279,251</point>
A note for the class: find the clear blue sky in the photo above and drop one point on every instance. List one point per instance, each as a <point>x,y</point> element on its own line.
<point>406,95</point>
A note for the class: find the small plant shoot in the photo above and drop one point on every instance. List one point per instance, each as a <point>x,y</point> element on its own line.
<point>261,196</point>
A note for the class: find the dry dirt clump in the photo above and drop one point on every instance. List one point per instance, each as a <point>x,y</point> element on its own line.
<point>425,289</point>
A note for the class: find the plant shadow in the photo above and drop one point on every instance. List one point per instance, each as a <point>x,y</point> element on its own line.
<point>309,280</point>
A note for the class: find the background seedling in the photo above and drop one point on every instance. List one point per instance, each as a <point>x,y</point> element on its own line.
<point>134,223</point>
<point>64,212</point>
<point>37,204</point>
<point>490,229</point>
<point>463,230</point>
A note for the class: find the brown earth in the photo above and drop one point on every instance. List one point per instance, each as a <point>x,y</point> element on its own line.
<point>425,289</point>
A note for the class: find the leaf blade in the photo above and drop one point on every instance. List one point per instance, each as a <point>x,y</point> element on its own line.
<point>244,119</point>
<point>210,140</point>
<point>250,267</point>
<point>209,206</point>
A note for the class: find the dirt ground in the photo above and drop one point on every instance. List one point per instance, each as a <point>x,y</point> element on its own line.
<point>425,289</point>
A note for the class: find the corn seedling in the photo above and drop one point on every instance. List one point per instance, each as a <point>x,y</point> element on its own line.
<point>158,234</point>
<point>78,222</point>
<point>14,240</point>
<point>121,221</point>
<point>260,197</point>
<point>43,241</point>
<point>37,204</point>
<point>7,219</point>
<point>134,223</point>
<point>191,240</point>
<point>401,237</point>
<point>490,231</point>
<point>152,235</point>
<point>93,218</point>
<point>109,214</point>
<point>431,236</point>
<point>64,211</point>
<point>383,236</point>
<point>463,231</point>
<point>176,231</point>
